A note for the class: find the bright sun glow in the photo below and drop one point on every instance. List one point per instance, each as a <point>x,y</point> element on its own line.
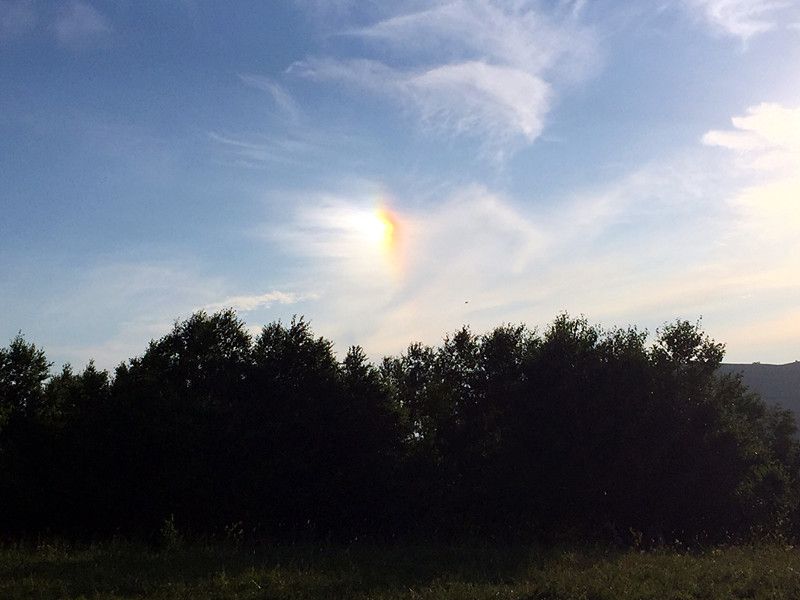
<point>379,228</point>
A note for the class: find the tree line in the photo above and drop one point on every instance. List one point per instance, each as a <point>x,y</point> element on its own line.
<point>571,432</point>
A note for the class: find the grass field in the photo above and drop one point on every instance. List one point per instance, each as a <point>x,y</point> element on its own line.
<point>359,572</point>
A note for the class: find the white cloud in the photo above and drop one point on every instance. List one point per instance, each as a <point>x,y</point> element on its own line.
<point>740,18</point>
<point>764,233</point>
<point>767,144</point>
<point>768,137</point>
<point>78,21</point>
<point>470,67</point>
<point>251,303</point>
<point>712,232</point>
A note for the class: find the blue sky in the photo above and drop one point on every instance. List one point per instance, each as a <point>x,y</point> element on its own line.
<point>633,162</point>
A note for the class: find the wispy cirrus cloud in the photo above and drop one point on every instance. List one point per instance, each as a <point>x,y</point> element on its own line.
<point>502,105</point>
<point>742,18</point>
<point>282,99</point>
<point>256,151</point>
<point>297,146</point>
<point>255,301</point>
<point>78,21</point>
<point>471,67</point>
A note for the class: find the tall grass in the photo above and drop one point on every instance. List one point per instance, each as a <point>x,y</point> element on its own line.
<point>124,570</point>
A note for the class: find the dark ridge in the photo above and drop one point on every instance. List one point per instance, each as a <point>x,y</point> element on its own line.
<point>776,384</point>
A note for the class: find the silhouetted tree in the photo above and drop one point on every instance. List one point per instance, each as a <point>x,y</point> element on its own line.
<point>24,435</point>
<point>23,370</point>
<point>172,417</point>
<point>577,432</point>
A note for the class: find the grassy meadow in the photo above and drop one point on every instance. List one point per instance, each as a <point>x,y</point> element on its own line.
<point>121,570</point>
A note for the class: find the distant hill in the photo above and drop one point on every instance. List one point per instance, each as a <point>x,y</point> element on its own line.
<point>776,384</point>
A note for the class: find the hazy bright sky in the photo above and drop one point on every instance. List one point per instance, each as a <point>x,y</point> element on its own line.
<point>634,162</point>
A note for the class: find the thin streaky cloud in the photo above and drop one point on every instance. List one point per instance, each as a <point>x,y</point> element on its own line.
<point>255,151</point>
<point>253,302</point>
<point>78,21</point>
<point>237,143</point>
<point>282,99</point>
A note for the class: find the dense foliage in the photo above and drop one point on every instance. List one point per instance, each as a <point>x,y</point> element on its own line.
<point>572,433</point>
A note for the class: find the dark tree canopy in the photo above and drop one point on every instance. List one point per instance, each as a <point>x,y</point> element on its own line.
<point>574,432</point>
<point>23,371</point>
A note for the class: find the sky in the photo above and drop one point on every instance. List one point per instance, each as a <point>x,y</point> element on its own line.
<point>394,170</point>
